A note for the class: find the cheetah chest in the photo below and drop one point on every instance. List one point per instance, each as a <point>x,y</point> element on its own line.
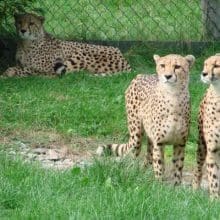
<point>167,122</point>
<point>39,56</point>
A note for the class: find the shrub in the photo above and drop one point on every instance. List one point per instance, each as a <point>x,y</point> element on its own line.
<point>7,10</point>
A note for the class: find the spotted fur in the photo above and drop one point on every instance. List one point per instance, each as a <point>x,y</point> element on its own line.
<point>209,127</point>
<point>160,105</point>
<point>39,53</point>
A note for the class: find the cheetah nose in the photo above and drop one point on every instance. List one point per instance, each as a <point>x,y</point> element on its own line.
<point>204,74</point>
<point>23,31</point>
<point>168,76</point>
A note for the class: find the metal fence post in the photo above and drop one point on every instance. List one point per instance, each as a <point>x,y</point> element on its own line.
<point>211,18</point>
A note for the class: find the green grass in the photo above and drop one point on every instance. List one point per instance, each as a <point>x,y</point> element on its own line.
<point>79,105</point>
<point>122,20</point>
<point>82,106</point>
<point>107,190</point>
<point>76,104</point>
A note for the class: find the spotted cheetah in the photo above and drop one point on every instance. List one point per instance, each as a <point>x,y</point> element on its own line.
<point>209,127</point>
<point>159,104</point>
<point>40,53</point>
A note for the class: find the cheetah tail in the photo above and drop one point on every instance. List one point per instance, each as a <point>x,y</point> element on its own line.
<point>59,67</point>
<point>128,68</point>
<point>111,149</point>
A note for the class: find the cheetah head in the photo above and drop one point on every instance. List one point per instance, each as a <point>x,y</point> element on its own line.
<point>173,69</point>
<point>211,70</point>
<point>29,26</point>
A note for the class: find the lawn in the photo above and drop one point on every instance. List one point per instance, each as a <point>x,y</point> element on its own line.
<point>106,190</point>
<point>79,105</point>
<point>80,111</point>
<point>76,104</point>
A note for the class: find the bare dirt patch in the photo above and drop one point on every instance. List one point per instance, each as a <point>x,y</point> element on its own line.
<point>54,151</point>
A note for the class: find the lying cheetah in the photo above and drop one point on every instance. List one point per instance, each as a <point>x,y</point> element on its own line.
<point>161,105</point>
<point>209,127</point>
<point>40,53</point>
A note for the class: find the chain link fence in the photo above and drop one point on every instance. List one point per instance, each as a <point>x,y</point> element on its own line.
<point>156,20</point>
<point>124,20</point>
<point>120,20</point>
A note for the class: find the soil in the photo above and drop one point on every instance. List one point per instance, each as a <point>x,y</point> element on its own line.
<point>51,151</point>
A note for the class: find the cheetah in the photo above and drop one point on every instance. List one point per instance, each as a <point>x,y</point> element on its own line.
<point>40,53</point>
<point>160,105</point>
<point>209,127</point>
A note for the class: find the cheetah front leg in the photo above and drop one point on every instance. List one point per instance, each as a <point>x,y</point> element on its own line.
<point>200,158</point>
<point>213,171</point>
<point>149,156</point>
<point>72,64</point>
<point>17,71</point>
<point>158,161</point>
<point>178,160</point>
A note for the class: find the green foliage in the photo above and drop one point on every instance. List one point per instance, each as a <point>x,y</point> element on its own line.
<point>8,8</point>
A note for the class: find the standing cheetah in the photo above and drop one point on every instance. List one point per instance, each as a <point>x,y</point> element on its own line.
<point>209,127</point>
<point>161,105</point>
<point>40,53</point>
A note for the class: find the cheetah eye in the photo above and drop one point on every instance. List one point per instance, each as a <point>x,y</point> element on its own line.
<point>19,23</point>
<point>216,66</point>
<point>162,65</point>
<point>31,23</point>
<point>177,66</point>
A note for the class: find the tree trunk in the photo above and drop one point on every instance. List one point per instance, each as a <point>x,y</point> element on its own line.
<point>211,19</point>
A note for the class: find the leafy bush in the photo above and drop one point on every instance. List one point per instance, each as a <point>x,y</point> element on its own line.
<point>7,10</point>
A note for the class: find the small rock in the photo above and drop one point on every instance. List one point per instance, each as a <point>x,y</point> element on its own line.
<point>23,146</point>
<point>23,152</point>
<point>42,157</point>
<point>40,150</point>
<point>12,152</point>
<point>31,156</point>
<point>62,166</point>
<point>53,155</point>
<point>67,161</point>
<point>83,164</point>
<point>47,164</point>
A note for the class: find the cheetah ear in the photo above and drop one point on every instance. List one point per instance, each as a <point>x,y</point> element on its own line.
<point>17,15</point>
<point>41,18</point>
<point>191,59</point>
<point>156,57</point>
